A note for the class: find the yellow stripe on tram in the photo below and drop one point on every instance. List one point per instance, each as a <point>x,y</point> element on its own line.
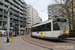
<point>41,34</point>
<point>64,32</point>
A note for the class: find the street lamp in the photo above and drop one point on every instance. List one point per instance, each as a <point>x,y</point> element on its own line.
<point>8,23</point>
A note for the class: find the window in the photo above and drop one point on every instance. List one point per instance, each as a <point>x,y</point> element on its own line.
<point>45,27</point>
<point>0,23</point>
<point>48,27</point>
<point>49,15</point>
<point>28,7</point>
<point>28,23</point>
<point>29,20</point>
<point>28,17</point>
<point>55,26</point>
<point>28,12</point>
<point>20,26</point>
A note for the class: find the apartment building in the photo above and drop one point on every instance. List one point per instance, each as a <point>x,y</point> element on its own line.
<point>17,14</point>
<point>54,11</point>
<point>32,17</point>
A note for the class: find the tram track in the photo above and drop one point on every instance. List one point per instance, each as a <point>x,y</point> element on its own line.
<point>50,47</point>
<point>37,44</point>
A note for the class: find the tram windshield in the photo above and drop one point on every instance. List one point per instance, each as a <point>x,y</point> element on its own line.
<point>60,24</point>
<point>63,25</point>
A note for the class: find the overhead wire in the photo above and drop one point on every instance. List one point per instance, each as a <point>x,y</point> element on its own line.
<point>35,2</point>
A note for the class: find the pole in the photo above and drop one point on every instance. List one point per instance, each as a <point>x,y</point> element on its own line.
<point>72,16</point>
<point>12,34</point>
<point>19,27</point>
<point>8,24</point>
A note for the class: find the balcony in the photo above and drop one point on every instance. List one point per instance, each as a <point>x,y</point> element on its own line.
<point>12,11</point>
<point>11,16</point>
<point>21,19</point>
<point>1,19</point>
<point>14,17</point>
<point>1,13</point>
<point>16,22</point>
<point>11,21</point>
<point>11,1</point>
<point>5,14</point>
<point>21,15</point>
<point>19,2</point>
<point>1,6</point>
<point>2,1</point>
<point>3,27</point>
<point>24,16</point>
<point>24,24</point>
<point>5,19</point>
<point>15,4</point>
<point>21,23</point>
<point>14,7</point>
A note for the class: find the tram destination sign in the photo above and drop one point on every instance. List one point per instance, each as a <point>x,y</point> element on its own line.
<point>60,20</point>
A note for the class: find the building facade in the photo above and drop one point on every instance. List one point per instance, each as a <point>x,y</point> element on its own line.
<point>54,11</point>
<point>17,14</point>
<point>32,17</point>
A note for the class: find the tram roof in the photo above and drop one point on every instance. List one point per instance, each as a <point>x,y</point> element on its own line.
<point>47,21</point>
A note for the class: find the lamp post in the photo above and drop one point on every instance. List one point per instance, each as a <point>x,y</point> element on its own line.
<point>8,23</point>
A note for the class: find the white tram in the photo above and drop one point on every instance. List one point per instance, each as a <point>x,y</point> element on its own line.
<point>52,29</point>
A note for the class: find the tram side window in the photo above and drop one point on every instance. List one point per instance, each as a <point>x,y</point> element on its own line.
<point>42,28</point>
<point>45,27</point>
<point>55,26</point>
<point>48,27</point>
<point>34,29</point>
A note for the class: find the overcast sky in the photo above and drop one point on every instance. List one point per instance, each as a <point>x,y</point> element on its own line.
<point>41,7</point>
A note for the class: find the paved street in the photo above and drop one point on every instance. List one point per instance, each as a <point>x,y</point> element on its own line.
<point>67,44</point>
<point>18,44</point>
<point>25,42</point>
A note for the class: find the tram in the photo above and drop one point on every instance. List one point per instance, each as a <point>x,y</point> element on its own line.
<point>56,28</point>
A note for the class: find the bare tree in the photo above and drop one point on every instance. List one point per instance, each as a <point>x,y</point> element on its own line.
<point>66,10</point>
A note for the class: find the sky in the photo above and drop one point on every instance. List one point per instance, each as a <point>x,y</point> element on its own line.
<point>41,7</point>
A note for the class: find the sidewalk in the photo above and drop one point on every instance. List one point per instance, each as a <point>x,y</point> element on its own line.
<point>71,38</point>
<point>18,44</point>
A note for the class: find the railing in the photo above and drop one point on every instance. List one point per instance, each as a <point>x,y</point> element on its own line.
<point>3,27</point>
<point>19,2</point>
<point>15,4</point>
<point>2,1</point>
<point>5,14</point>
<point>2,7</point>
<point>24,24</point>
<point>21,23</point>
<point>11,21</point>
<point>16,22</point>
<point>5,19</point>
<point>21,15</point>
<point>1,12</point>
<point>1,18</point>
<point>21,19</point>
